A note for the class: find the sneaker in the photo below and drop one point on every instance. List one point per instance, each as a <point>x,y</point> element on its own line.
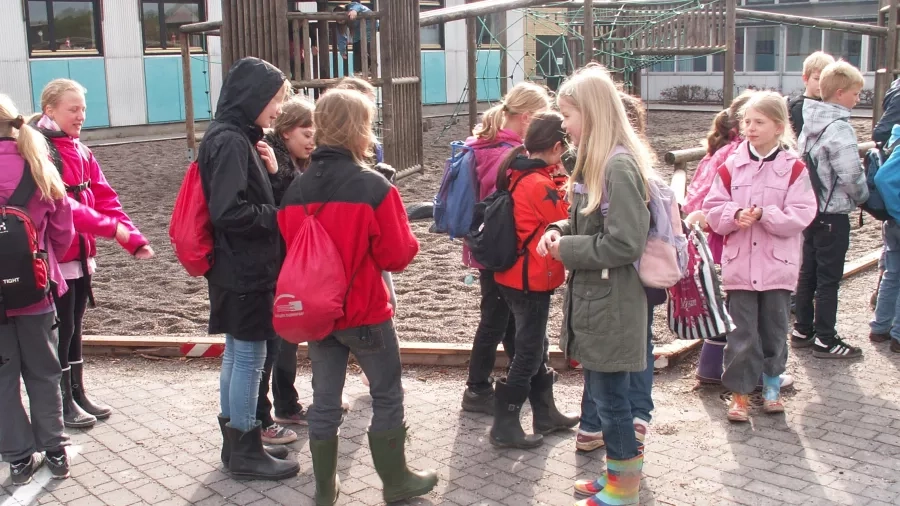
<point>476,402</point>
<point>58,463</point>
<point>23,471</point>
<point>879,338</point>
<point>296,418</point>
<point>837,348</point>
<point>800,340</point>
<point>345,404</point>
<point>739,409</point>
<point>895,346</point>
<point>277,435</point>
<point>588,441</point>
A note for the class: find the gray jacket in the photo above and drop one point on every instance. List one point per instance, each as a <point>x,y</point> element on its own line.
<point>831,140</point>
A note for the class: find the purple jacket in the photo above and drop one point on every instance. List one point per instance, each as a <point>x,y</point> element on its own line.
<point>488,156</point>
<point>767,255</point>
<point>53,219</point>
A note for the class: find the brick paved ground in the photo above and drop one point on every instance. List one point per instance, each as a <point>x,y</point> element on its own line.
<point>839,442</point>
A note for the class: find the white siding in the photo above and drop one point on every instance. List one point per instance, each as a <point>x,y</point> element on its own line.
<point>124,52</point>
<point>787,83</point>
<point>214,47</point>
<point>455,45</point>
<point>15,74</point>
<point>515,36</point>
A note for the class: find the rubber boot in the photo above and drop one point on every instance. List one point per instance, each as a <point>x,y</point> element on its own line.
<point>249,460</point>
<point>278,452</point>
<point>711,363</point>
<point>476,402</point>
<point>547,418</point>
<point>389,455</point>
<point>506,431</point>
<point>620,484</point>
<point>73,416</point>
<point>100,411</point>
<point>324,459</point>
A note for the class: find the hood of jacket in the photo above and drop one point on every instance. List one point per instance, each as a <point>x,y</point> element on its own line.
<point>522,163</point>
<point>250,85</point>
<point>816,118</point>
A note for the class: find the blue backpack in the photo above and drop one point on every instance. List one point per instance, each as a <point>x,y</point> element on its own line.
<point>455,201</point>
<point>873,161</point>
<point>884,180</point>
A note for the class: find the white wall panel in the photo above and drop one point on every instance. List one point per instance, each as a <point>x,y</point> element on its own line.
<point>124,53</point>
<point>455,45</point>
<point>214,46</point>
<point>15,75</point>
<point>515,37</point>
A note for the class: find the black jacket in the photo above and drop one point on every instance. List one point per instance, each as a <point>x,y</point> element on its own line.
<point>242,207</point>
<point>795,110</point>
<point>891,116</point>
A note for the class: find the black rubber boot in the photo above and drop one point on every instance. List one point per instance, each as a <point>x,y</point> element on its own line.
<point>100,411</point>
<point>278,452</point>
<point>478,402</point>
<point>324,459</point>
<point>73,416</point>
<point>507,429</point>
<point>547,418</point>
<point>389,455</point>
<point>249,460</point>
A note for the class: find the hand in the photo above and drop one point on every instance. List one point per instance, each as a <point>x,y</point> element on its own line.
<point>268,156</point>
<point>697,217</point>
<point>548,241</point>
<point>144,253</point>
<point>315,50</point>
<point>122,233</point>
<point>352,15</point>
<point>745,218</point>
<point>756,212</point>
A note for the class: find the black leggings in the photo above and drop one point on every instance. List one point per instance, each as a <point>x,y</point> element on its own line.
<point>70,310</point>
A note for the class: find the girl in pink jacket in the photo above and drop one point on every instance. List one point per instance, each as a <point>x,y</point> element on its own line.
<point>96,211</point>
<point>761,200</point>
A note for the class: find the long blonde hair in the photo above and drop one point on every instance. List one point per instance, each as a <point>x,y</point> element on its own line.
<point>523,98</point>
<point>772,105</point>
<point>343,119</point>
<point>33,148</point>
<point>604,125</point>
<point>56,88</point>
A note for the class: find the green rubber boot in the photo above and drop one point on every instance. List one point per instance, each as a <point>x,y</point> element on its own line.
<point>324,458</point>
<point>389,456</point>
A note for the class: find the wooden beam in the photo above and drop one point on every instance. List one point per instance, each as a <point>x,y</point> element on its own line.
<point>677,51</point>
<point>200,27</point>
<point>589,49</point>
<point>730,52</point>
<point>824,24</point>
<point>475,9</point>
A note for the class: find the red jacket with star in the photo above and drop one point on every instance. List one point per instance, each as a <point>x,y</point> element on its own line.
<point>538,202</point>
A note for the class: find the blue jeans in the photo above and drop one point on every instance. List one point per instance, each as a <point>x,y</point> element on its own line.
<point>609,393</point>
<point>242,367</point>
<point>887,309</point>
<point>639,391</point>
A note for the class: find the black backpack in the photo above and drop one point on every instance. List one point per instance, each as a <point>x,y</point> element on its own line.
<point>24,271</point>
<point>492,238</point>
<point>812,166</point>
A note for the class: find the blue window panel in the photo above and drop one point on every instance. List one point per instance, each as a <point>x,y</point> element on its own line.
<point>91,73</point>
<point>434,77</point>
<point>164,89</point>
<point>488,74</point>
<point>42,72</point>
<point>343,64</point>
<point>199,86</point>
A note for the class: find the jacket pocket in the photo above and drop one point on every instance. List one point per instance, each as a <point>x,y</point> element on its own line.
<point>729,254</point>
<point>592,304</point>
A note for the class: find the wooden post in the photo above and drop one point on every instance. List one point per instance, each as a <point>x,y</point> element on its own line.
<point>472,67</point>
<point>730,52</point>
<point>188,96</point>
<point>588,31</point>
<point>322,28</point>
<point>363,48</point>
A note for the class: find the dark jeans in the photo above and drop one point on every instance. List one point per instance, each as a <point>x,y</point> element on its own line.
<point>70,310</point>
<point>497,325</point>
<point>378,352</point>
<point>610,392</point>
<point>281,366</point>
<point>531,310</point>
<point>357,57</point>
<point>825,244</point>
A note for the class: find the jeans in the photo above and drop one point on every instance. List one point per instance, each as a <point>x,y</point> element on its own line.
<point>530,310</point>
<point>497,325</point>
<point>70,310</point>
<point>281,367</point>
<point>242,367</point>
<point>609,392</point>
<point>639,391</point>
<point>887,310</point>
<point>758,343</point>
<point>377,350</point>
<point>825,244</point>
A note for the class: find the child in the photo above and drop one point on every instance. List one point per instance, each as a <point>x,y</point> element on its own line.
<point>884,325</point>
<point>529,284</point>
<point>96,211</point>
<point>235,168</point>
<point>605,320</point>
<point>365,218</point>
<point>352,32</point>
<point>830,140</point>
<point>813,66</point>
<point>502,129</point>
<point>27,337</point>
<point>762,211</point>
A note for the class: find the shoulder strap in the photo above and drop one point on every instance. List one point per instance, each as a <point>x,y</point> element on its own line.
<point>796,170</point>
<point>809,151</point>
<point>55,156</point>
<point>520,178</point>
<point>25,190</point>
<point>725,176</point>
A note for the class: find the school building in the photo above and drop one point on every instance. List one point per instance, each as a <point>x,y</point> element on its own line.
<point>125,52</point>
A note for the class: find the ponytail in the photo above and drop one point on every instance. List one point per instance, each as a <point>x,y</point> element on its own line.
<point>32,147</point>
<point>491,123</point>
<point>722,132</point>
<point>503,170</point>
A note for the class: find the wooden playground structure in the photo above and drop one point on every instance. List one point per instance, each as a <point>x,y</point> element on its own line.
<point>265,29</point>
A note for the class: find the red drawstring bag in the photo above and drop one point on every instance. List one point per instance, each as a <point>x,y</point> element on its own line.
<point>190,229</point>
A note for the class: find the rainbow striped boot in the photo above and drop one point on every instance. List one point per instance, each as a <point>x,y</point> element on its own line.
<point>620,484</point>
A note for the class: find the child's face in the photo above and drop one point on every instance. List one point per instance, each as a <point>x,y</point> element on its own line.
<point>761,131</point>
<point>301,142</point>
<point>847,98</point>
<point>69,113</point>
<point>812,85</point>
<point>572,122</point>
<point>268,115</point>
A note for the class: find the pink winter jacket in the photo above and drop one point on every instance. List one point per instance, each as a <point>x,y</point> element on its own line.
<point>53,219</point>
<point>705,174</point>
<point>767,255</point>
<point>488,156</point>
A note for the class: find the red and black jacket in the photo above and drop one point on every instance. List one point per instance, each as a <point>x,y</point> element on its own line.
<point>365,218</point>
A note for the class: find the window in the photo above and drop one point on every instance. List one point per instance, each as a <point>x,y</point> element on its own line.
<point>432,37</point>
<point>161,20</point>
<point>63,26</point>
<point>801,42</point>
<point>874,63</point>
<point>762,49</point>
<point>847,46</point>
<point>691,63</point>
<point>719,58</point>
<point>663,66</point>
<point>489,29</point>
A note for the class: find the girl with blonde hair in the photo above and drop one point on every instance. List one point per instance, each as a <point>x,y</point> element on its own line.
<point>27,339</point>
<point>503,128</point>
<point>605,318</point>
